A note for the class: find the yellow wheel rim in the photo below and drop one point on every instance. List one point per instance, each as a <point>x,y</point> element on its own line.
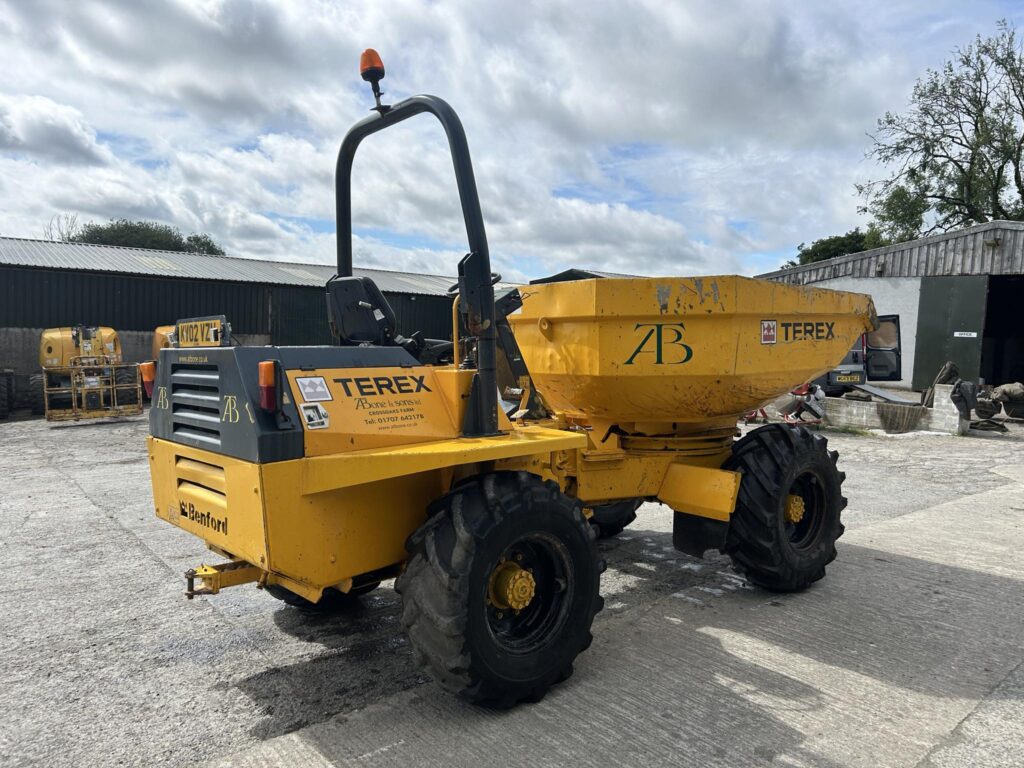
<point>795,508</point>
<point>510,587</point>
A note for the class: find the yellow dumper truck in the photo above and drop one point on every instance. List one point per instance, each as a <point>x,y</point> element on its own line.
<point>318,470</point>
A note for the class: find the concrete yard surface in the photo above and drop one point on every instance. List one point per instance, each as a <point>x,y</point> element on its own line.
<point>908,654</point>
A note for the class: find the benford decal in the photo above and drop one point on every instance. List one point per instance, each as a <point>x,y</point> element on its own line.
<point>769,331</point>
<point>206,519</point>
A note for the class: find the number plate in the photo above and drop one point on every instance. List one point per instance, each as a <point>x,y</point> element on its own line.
<point>200,333</point>
<point>848,378</point>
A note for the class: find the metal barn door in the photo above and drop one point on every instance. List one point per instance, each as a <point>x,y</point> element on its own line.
<point>950,326</point>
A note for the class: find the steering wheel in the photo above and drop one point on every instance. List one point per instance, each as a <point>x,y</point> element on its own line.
<point>495,279</point>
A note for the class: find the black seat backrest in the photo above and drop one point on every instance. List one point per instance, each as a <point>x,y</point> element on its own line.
<point>359,313</point>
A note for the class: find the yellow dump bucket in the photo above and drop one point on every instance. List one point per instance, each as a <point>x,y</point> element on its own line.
<point>686,349</point>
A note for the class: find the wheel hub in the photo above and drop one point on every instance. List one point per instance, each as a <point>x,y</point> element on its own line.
<point>511,587</point>
<point>795,508</point>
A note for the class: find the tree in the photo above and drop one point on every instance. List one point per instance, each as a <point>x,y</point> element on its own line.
<point>61,226</point>
<point>956,153</point>
<point>901,213</point>
<point>202,243</point>
<point>132,234</point>
<point>853,241</point>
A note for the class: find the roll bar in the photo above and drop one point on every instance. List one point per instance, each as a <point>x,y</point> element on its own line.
<point>475,289</point>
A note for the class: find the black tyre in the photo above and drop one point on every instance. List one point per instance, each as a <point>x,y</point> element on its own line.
<point>501,588</point>
<point>784,529</point>
<point>126,380</point>
<point>5,397</point>
<point>362,589</point>
<point>36,394</point>
<point>331,600</point>
<point>60,400</point>
<point>609,520</point>
<point>987,409</point>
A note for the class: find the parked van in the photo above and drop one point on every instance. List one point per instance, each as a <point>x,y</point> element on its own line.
<point>875,356</point>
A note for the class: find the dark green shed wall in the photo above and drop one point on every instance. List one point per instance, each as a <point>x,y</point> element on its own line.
<point>292,315</point>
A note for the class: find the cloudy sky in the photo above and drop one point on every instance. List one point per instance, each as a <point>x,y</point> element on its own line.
<point>637,136</point>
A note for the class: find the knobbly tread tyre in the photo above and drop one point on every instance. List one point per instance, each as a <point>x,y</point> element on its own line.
<point>288,597</point>
<point>443,586</point>
<point>331,600</point>
<point>62,400</point>
<point>123,377</point>
<point>36,395</point>
<point>770,459</point>
<point>363,589</point>
<point>609,520</point>
<point>988,409</point>
<point>5,397</point>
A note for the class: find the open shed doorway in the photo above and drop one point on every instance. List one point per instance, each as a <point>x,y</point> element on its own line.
<point>1002,350</point>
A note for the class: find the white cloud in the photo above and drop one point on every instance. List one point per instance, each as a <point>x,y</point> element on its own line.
<point>38,127</point>
<point>636,136</point>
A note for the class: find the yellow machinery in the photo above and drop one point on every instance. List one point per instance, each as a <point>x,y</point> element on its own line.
<point>210,331</point>
<point>163,336</point>
<point>84,376</point>
<point>321,471</point>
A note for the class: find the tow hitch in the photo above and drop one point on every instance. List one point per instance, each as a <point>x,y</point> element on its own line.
<point>217,577</point>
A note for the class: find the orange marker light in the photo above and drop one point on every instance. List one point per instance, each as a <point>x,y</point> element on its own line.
<point>266,373</point>
<point>267,379</point>
<point>370,65</point>
<point>148,372</point>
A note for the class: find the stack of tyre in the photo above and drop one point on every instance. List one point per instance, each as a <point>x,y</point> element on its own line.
<point>126,379</point>
<point>6,393</point>
<point>36,395</point>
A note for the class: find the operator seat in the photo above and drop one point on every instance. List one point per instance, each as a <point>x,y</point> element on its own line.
<point>358,312</point>
<point>361,316</point>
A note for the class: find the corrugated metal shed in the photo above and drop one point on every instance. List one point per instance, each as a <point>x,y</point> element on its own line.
<point>291,314</point>
<point>995,248</point>
<point>299,315</point>
<point>46,254</point>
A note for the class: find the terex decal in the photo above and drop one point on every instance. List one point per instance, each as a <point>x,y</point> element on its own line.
<point>810,331</point>
<point>368,386</point>
<point>664,341</point>
<point>819,331</point>
<point>217,525</point>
